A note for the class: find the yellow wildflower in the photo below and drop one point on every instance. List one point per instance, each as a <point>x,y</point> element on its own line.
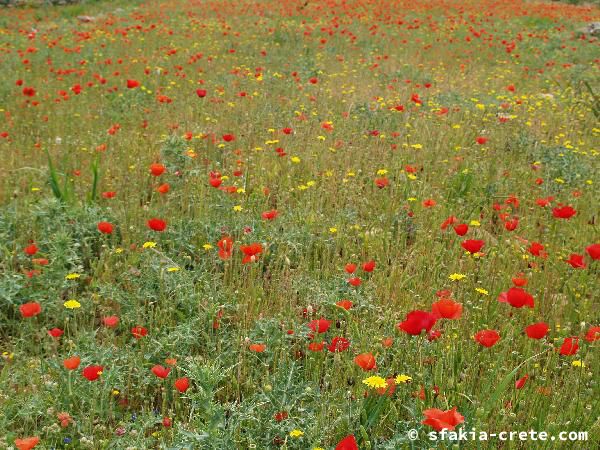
<point>402,379</point>
<point>72,304</point>
<point>375,382</point>
<point>457,276</point>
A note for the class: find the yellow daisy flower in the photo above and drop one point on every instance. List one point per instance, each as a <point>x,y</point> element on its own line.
<point>72,304</point>
<point>375,382</point>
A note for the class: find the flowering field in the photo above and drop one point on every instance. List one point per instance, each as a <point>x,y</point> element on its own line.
<point>298,224</point>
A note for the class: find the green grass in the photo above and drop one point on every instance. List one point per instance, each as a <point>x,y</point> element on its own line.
<point>64,153</point>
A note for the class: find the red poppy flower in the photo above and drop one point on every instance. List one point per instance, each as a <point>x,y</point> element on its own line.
<point>269,215</point>
<point>257,348</point>
<point>429,203</point>
<point>316,346</point>
<point>511,225</point>
<point>157,224</point>
<point>433,335</point>
<point>30,309</point>
<point>105,227</point>
<point>31,249</point>
<point>543,202</point>
<point>442,420</point>
<point>594,251</point>
<point>65,419</point>
<point>521,382</point>
<point>287,131</point>
<point>251,252</point>
<point>537,330</point>
<point>346,304</point>
<point>417,321</point>
<point>157,169</point>
<point>350,268</point>
<point>461,229</point>
<point>481,140</point>
<point>163,188</point>
<point>472,245</point>
<point>201,93</point>
<point>281,416</point>
<point>55,332</point>
<point>487,338</point>
<point>160,371</point>
<point>132,84</point>
<point>518,298</point>
<point>225,247</point>
<point>313,80</point>
<point>446,309</point>
<point>72,363</point>
<point>139,332</point>
<point>593,334</point>
<point>537,249</point>
<point>28,91</point>
<point>449,221</point>
<point>348,443</point>
<point>182,384</point>
<point>564,212</point>
<point>228,137</point>
<point>338,344</point>
<point>569,346</point>
<point>109,194</point>
<point>576,261</point>
<point>519,281</point>
<point>416,99</point>
<point>319,326</point>
<point>27,443</point>
<point>369,266</point>
<point>92,373</point>
<point>355,281</point>
<point>110,321</point>
<point>215,182</point>
<point>366,361</point>
<point>382,182</point>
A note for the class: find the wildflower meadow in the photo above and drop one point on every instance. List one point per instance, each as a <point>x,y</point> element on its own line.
<point>299,224</point>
